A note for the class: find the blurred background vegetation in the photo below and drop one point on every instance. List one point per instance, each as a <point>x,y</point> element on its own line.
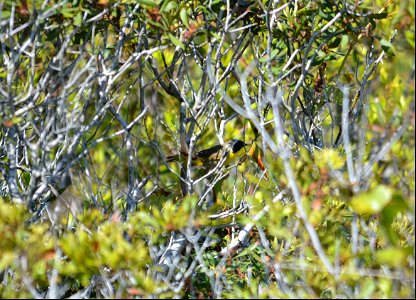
<point>94,95</point>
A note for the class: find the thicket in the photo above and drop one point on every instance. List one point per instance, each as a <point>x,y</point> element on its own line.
<point>94,95</point>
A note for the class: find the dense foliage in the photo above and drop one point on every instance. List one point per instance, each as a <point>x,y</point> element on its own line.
<point>95,95</point>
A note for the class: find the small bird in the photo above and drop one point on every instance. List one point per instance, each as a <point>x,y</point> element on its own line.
<point>211,156</point>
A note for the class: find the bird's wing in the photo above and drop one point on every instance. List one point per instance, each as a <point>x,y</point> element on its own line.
<point>212,153</point>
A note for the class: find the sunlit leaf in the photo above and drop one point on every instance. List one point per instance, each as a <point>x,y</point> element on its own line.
<point>184,16</point>
<point>393,257</point>
<point>78,19</point>
<point>389,214</point>
<point>387,47</point>
<point>171,5</point>
<point>176,41</point>
<point>372,202</point>
<point>152,3</point>
<point>329,158</point>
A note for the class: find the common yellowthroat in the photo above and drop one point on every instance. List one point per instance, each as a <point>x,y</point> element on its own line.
<point>229,152</point>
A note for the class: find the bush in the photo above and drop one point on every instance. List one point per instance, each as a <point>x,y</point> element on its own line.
<point>106,105</point>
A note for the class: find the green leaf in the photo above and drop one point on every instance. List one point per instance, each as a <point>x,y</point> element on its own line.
<point>387,47</point>
<point>306,12</point>
<point>152,3</point>
<point>378,16</point>
<point>170,6</point>
<point>367,288</point>
<point>394,257</point>
<point>272,55</point>
<point>396,205</point>
<point>410,38</point>
<point>78,19</point>
<point>335,42</point>
<point>372,202</point>
<point>176,41</point>
<point>389,214</point>
<point>68,12</point>
<point>169,117</point>
<point>26,177</point>
<point>329,158</point>
<point>157,24</point>
<point>184,16</point>
<point>7,258</point>
<point>322,57</point>
<point>189,203</point>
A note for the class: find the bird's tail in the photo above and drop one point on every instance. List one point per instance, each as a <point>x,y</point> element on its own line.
<point>176,157</point>
<point>172,158</point>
